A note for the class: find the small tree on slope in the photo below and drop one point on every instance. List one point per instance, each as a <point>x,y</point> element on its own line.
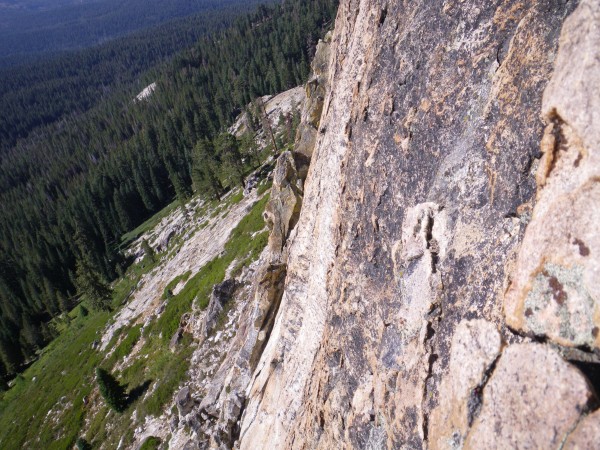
<point>111,390</point>
<point>148,251</point>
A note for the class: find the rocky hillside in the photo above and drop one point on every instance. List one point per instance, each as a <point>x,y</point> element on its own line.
<point>431,278</point>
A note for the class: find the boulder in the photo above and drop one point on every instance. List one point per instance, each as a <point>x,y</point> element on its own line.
<point>176,339</point>
<point>178,335</point>
<point>533,400</point>
<point>476,344</point>
<point>184,401</point>
<point>228,427</point>
<point>162,242</point>
<point>174,423</point>
<point>251,183</point>
<point>221,294</point>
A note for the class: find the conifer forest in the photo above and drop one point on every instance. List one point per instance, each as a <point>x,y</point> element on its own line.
<point>83,160</point>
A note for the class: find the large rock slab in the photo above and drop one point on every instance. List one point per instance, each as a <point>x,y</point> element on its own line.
<point>476,344</point>
<point>555,289</point>
<point>532,400</point>
<point>587,434</point>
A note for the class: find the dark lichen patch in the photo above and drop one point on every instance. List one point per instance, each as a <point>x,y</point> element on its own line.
<point>456,440</point>
<point>595,331</point>
<point>557,289</point>
<point>553,291</point>
<point>584,250</point>
<point>528,312</point>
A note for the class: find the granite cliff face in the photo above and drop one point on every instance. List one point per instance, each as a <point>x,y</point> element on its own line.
<point>432,280</point>
<point>432,273</point>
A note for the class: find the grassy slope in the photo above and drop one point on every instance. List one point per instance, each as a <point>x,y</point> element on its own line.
<point>64,370</point>
<point>241,246</point>
<point>64,374</point>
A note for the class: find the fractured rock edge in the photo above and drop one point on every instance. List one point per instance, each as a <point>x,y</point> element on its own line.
<point>215,420</point>
<point>555,289</point>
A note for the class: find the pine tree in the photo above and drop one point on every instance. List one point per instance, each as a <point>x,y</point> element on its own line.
<point>88,279</point>
<point>248,147</point>
<point>31,337</point>
<point>228,150</point>
<point>148,251</point>
<point>91,284</point>
<point>204,167</point>
<point>112,391</point>
<point>63,302</point>
<point>181,191</point>
<point>10,355</point>
<point>121,210</point>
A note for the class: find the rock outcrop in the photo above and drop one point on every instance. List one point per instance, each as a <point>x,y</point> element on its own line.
<point>431,276</point>
<point>184,401</point>
<point>441,276</point>
<point>221,294</point>
<point>555,290</point>
<point>215,420</point>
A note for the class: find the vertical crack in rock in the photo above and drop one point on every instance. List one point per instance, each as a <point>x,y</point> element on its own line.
<point>431,358</point>
<point>383,15</point>
<point>553,142</point>
<point>432,244</point>
<point>476,396</point>
<point>434,315</point>
<point>533,399</point>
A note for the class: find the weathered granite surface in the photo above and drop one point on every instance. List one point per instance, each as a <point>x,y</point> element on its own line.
<point>555,290</point>
<point>431,277</point>
<point>454,163</point>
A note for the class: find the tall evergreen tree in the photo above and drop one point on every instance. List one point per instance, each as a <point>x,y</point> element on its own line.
<point>88,277</point>
<point>204,170</point>
<point>10,356</point>
<point>228,150</point>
